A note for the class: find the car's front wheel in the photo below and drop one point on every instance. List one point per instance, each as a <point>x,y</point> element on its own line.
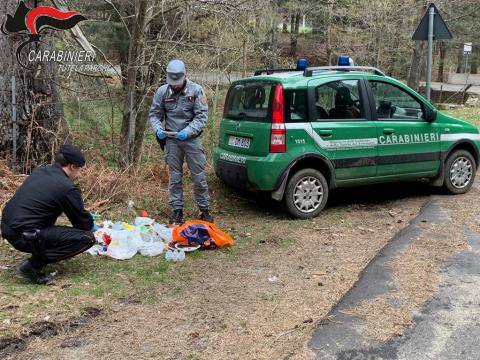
<point>306,194</point>
<point>460,170</point>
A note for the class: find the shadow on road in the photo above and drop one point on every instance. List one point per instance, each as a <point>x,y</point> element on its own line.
<point>262,203</point>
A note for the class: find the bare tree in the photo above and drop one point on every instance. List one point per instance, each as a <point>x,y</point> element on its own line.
<point>38,103</point>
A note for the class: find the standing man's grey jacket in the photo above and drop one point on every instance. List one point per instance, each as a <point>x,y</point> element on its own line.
<point>185,110</point>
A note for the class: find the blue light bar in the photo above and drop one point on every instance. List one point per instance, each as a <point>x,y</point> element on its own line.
<point>302,64</point>
<point>343,61</point>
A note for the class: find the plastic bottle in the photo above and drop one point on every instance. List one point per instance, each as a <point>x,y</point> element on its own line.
<point>175,255</point>
<point>169,255</point>
<point>103,250</point>
<point>181,255</point>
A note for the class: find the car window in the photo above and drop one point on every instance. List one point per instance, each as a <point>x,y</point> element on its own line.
<point>296,106</point>
<point>395,103</point>
<point>339,100</point>
<point>249,101</point>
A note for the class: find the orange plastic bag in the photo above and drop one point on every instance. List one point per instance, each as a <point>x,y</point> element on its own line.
<point>203,233</point>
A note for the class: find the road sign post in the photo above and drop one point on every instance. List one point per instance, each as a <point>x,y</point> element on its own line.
<point>431,21</point>
<point>467,51</point>
<point>431,27</point>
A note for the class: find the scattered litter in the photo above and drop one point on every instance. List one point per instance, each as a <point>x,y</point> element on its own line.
<point>187,248</point>
<point>152,244</point>
<point>203,233</point>
<point>175,255</point>
<point>4,267</point>
<point>143,221</point>
<point>7,322</point>
<point>273,278</point>
<point>122,240</point>
<point>46,318</point>
<point>143,213</point>
<point>321,273</point>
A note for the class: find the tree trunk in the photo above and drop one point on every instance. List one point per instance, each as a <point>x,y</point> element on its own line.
<point>146,78</point>
<point>274,36</point>
<point>285,24</point>
<point>295,24</point>
<point>460,59</point>
<point>475,59</point>
<point>441,62</point>
<point>37,98</point>
<point>417,64</point>
<point>329,17</point>
<point>135,55</point>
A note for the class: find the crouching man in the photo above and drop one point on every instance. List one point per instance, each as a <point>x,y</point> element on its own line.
<point>28,219</point>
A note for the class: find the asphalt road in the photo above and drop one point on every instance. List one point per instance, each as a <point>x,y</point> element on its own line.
<point>447,327</point>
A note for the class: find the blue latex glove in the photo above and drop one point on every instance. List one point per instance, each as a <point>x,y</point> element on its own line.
<point>95,227</point>
<point>161,134</point>
<point>182,135</point>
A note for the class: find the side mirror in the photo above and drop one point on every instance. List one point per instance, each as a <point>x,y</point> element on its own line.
<point>430,115</point>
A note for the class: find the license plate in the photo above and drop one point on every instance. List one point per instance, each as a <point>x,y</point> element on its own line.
<point>240,142</point>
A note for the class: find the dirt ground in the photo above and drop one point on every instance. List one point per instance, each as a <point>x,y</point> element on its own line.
<point>260,300</point>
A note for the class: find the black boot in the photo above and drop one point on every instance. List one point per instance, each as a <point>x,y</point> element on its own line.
<point>27,271</point>
<point>177,217</point>
<point>205,215</point>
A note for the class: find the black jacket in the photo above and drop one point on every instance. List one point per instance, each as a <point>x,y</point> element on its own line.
<point>42,198</point>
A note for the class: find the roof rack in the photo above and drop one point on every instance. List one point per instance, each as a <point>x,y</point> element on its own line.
<point>272,71</point>
<point>309,71</point>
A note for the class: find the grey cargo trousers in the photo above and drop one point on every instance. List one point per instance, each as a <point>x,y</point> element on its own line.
<point>192,151</point>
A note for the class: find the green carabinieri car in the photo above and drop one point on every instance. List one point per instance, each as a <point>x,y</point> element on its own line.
<point>299,134</point>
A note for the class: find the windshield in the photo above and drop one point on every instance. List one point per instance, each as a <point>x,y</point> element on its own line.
<point>249,101</point>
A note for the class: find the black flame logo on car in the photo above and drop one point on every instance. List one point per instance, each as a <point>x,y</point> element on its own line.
<point>33,21</point>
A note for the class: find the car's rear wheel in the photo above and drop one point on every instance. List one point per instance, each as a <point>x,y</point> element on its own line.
<point>460,170</point>
<point>306,194</point>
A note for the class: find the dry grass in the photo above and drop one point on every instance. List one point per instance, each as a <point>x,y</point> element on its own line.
<point>9,182</point>
<point>105,189</point>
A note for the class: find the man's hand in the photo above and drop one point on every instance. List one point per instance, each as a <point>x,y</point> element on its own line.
<point>182,135</point>
<point>161,134</point>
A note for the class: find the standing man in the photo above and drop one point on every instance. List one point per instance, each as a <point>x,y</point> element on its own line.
<point>28,220</point>
<point>178,115</point>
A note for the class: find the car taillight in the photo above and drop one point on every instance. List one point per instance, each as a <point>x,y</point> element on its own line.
<point>278,134</point>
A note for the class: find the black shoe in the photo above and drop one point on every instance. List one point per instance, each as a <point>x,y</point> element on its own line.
<point>205,216</point>
<point>177,217</point>
<point>27,271</point>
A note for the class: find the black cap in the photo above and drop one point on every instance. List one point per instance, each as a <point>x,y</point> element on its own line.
<point>73,155</point>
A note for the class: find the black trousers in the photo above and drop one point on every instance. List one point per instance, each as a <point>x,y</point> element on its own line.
<point>51,244</point>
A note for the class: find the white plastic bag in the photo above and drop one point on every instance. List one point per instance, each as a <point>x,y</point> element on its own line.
<point>125,243</point>
<point>164,232</point>
<point>152,244</point>
<point>94,250</point>
<point>143,221</point>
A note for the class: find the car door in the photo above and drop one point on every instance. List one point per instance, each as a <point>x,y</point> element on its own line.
<point>407,143</point>
<point>343,127</point>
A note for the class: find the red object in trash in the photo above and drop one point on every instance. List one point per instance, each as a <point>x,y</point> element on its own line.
<point>107,239</point>
<point>143,213</point>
